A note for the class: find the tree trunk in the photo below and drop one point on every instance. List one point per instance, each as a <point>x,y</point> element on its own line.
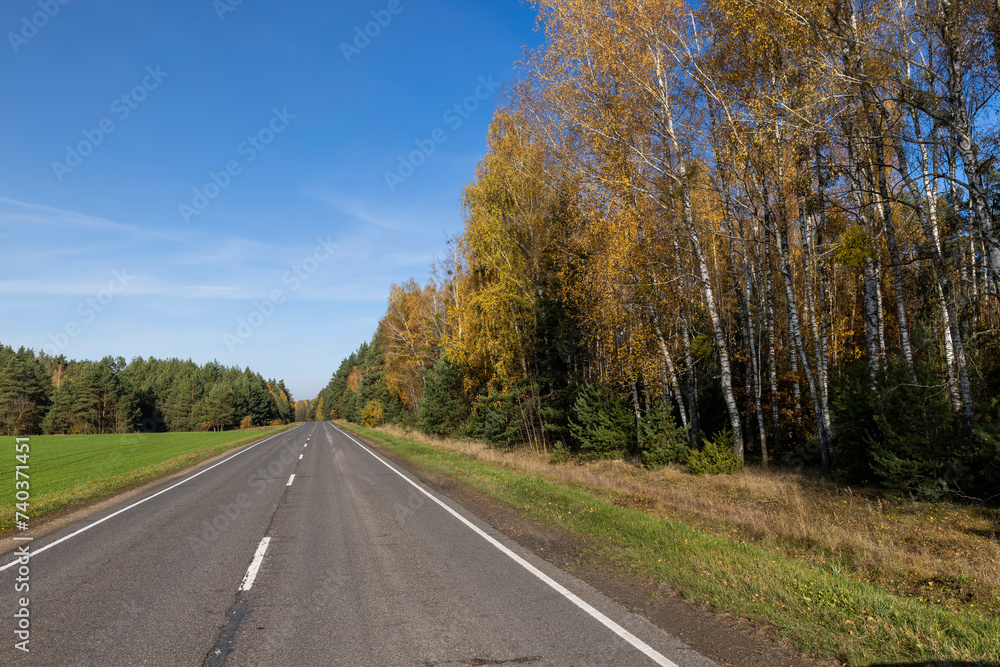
<point>687,218</point>
<point>885,209</point>
<point>670,374</point>
<point>637,409</point>
<point>816,237</point>
<point>743,299</point>
<point>755,364</point>
<point>881,312</point>
<point>720,339</point>
<point>961,127</point>
<point>692,381</point>
<point>958,372</point>
<point>814,317</point>
<point>871,312</point>
<point>795,333</point>
<point>772,357</point>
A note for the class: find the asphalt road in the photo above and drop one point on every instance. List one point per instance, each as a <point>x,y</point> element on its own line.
<point>308,549</point>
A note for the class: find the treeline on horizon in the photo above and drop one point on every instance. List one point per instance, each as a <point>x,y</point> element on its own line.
<point>768,226</point>
<point>40,393</point>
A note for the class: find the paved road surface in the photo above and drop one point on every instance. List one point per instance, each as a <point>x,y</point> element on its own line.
<point>309,549</point>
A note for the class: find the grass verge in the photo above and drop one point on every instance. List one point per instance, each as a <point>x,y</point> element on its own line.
<point>70,470</point>
<point>819,608</point>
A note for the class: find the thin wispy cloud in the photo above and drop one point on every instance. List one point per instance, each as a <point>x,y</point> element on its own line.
<point>368,214</point>
<point>15,213</point>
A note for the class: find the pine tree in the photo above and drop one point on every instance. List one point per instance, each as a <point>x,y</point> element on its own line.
<point>663,441</point>
<point>214,411</point>
<point>61,417</point>
<point>443,408</point>
<point>601,423</point>
<point>25,390</point>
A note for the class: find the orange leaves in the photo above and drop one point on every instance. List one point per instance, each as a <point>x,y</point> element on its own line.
<point>413,330</point>
<point>354,380</point>
<point>508,233</point>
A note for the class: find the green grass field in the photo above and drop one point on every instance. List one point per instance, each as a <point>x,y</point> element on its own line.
<point>823,611</point>
<point>69,470</point>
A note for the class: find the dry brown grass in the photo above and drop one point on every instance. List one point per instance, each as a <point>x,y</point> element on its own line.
<point>941,553</point>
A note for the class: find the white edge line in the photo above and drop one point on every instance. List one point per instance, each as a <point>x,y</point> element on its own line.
<point>137,503</point>
<point>258,558</point>
<point>291,479</point>
<point>642,646</point>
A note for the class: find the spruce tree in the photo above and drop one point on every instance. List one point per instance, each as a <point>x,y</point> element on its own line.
<point>443,408</point>
<point>601,423</point>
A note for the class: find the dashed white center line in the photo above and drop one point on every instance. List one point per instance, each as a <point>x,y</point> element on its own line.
<point>183,481</point>
<point>258,558</point>
<point>290,480</point>
<point>300,456</point>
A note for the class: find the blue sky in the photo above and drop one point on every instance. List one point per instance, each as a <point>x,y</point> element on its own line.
<point>207,180</point>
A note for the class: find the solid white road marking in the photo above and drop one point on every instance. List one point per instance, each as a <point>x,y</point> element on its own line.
<point>645,648</point>
<point>258,558</point>
<point>135,504</point>
<point>290,479</point>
